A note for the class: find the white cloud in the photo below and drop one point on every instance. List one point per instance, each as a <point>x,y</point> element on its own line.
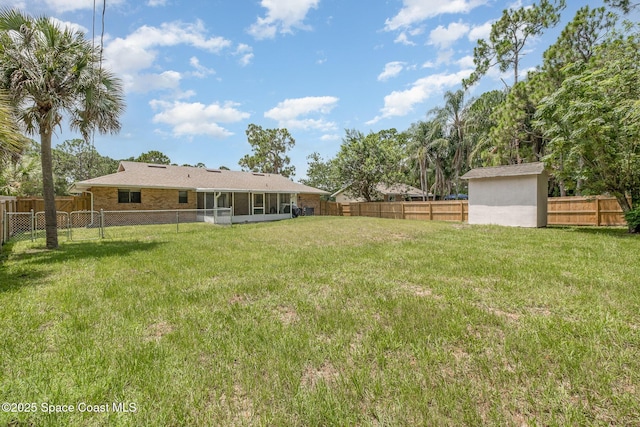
<point>481,31</point>
<point>71,25</point>
<point>281,17</point>
<point>138,51</point>
<point>401,103</point>
<point>403,39</point>
<point>466,62</point>
<point>391,69</point>
<point>189,119</point>
<point>445,37</point>
<point>156,3</point>
<point>289,111</point>
<point>330,137</point>
<point>201,70</point>
<point>415,11</point>
<point>144,83</point>
<point>246,54</point>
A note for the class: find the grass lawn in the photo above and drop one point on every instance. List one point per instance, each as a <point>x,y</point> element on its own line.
<point>324,321</point>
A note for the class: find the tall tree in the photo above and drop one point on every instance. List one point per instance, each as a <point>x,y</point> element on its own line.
<point>78,160</point>
<point>364,161</point>
<point>419,152</point>
<point>480,122</point>
<point>320,173</point>
<point>453,116</point>
<point>153,156</point>
<point>269,148</point>
<point>509,36</point>
<point>50,72</point>
<point>593,119</point>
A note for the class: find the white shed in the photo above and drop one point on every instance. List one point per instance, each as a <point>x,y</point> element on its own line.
<point>514,195</point>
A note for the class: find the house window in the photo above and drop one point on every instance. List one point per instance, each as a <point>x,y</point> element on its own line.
<point>129,196</point>
<point>183,197</point>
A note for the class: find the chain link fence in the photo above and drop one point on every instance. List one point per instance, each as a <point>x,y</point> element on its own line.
<point>89,225</point>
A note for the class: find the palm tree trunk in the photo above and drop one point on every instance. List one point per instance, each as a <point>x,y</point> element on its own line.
<point>48,191</point>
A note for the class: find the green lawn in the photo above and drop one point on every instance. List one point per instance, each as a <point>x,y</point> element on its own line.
<point>324,321</point>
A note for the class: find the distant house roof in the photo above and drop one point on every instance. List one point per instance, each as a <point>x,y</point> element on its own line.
<point>403,189</point>
<point>535,168</point>
<point>395,189</point>
<point>147,175</point>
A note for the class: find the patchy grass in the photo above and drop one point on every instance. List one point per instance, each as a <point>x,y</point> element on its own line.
<point>325,321</point>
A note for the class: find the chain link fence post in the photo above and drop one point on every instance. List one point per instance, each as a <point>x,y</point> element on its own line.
<point>33,225</point>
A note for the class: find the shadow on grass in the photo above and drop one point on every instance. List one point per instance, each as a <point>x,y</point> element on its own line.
<point>33,264</point>
<point>618,232</point>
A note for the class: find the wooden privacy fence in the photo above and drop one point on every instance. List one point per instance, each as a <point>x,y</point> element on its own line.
<point>578,210</point>
<point>63,204</point>
<point>450,210</point>
<point>595,211</point>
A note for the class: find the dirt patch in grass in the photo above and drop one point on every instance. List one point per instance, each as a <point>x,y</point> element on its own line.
<point>286,314</point>
<point>156,331</point>
<point>419,291</point>
<point>312,376</point>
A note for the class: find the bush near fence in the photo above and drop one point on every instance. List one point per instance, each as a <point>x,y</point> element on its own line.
<point>590,211</point>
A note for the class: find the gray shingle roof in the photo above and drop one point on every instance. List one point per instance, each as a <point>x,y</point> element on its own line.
<point>535,168</point>
<point>146,175</point>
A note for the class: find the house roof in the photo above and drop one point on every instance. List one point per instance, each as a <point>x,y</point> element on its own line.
<point>147,175</point>
<point>403,189</point>
<point>535,168</point>
<point>400,189</point>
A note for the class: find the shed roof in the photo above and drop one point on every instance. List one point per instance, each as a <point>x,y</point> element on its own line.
<point>147,175</point>
<point>535,168</point>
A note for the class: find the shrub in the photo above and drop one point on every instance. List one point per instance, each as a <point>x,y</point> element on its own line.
<point>633,219</point>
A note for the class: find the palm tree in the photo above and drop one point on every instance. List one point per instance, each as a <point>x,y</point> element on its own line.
<point>453,117</point>
<point>12,142</point>
<point>51,73</point>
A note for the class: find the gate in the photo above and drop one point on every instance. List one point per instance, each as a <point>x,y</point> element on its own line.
<point>62,219</point>
<point>85,225</point>
<point>19,225</point>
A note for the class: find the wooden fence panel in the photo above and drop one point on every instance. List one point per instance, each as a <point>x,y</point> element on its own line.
<point>595,211</point>
<point>63,204</point>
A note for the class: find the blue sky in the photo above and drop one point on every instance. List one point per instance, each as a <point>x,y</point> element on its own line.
<point>196,73</point>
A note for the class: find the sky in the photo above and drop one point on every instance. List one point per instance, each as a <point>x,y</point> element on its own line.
<point>196,73</point>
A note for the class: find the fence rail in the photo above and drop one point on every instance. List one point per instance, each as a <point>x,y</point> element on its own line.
<point>594,211</point>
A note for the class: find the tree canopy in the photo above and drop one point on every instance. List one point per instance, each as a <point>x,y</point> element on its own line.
<point>364,161</point>
<point>269,147</point>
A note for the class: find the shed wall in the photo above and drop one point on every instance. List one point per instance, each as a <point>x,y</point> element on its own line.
<point>512,201</point>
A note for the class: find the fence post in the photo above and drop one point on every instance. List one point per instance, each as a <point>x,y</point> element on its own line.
<point>430,212</point>
<point>33,225</point>
<point>597,212</point>
<point>102,223</point>
<point>403,211</point>
<point>461,211</point>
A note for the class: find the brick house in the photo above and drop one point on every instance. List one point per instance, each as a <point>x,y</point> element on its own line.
<point>250,196</point>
